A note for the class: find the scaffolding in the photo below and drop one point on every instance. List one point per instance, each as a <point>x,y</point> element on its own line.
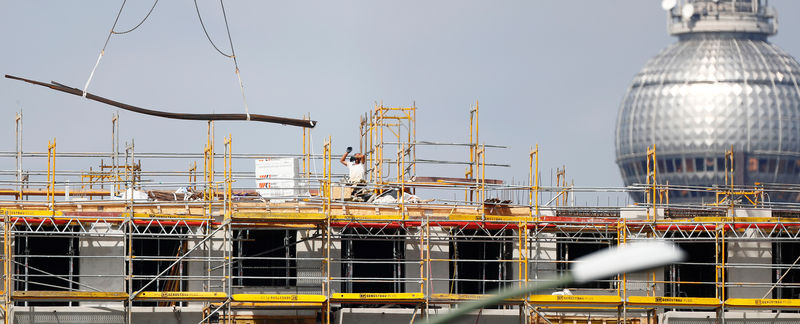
<point>133,241</point>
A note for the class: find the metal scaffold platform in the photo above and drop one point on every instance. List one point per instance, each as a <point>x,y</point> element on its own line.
<point>229,249</point>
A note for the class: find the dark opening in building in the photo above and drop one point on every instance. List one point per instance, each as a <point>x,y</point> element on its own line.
<point>373,262</point>
<point>478,258</point>
<point>46,261</point>
<point>156,249</point>
<point>695,276</point>
<point>570,247</point>
<point>785,253</point>
<point>265,257</point>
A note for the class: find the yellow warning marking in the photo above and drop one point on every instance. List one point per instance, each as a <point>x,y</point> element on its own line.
<point>180,295</point>
<point>278,298</point>
<point>763,303</point>
<point>673,301</point>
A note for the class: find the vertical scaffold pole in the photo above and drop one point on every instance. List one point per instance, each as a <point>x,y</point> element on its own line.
<point>8,276</point>
<point>115,187</point>
<point>533,183</point>
<point>208,164</point>
<point>18,136</point>
<point>51,174</point>
<point>326,201</point>
<point>652,183</point>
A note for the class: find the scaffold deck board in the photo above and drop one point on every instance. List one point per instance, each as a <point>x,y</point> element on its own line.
<point>658,302</point>
<point>456,298</point>
<point>574,300</point>
<point>369,298</point>
<point>278,298</point>
<point>68,295</point>
<point>181,296</point>
<point>747,303</point>
<point>277,216</point>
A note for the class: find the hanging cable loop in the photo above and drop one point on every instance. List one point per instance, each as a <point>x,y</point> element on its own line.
<point>139,24</point>
<point>202,24</point>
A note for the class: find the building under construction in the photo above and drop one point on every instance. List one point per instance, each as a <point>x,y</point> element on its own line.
<point>285,242</point>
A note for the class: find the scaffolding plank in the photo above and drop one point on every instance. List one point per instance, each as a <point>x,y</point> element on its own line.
<point>272,305</point>
<point>673,301</point>
<point>478,217</point>
<point>574,300</point>
<point>377,297</point>
<point>45,295</point>
<point>280,298</point>
<point>466,297</point>
<point>763,303</point>
<point>28,212</point>
<point>181,295</point>
<point>168,216</point>
<point>270,216</point>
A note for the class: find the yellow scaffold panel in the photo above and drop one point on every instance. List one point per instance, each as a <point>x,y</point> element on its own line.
<point>367,217</point>
<point>168,216</point>
<point>762,303</point>
<point>466,297</point>
<point>377,297</point>
<point>269,216</point>
<point>576,300</point>
<point>272,305</point>
<point>181,295</point>
<point>68,295</point>
<point>673,301</point>
<point>713,219</point>
<point>27,212</point>
<point>257,298</point>
<point>467,217</point>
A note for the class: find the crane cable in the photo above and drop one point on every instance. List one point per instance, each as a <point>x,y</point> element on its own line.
<point>108,38</point>
<point>233,52</point>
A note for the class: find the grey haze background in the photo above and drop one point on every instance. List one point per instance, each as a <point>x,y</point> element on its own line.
<point>547,72</point>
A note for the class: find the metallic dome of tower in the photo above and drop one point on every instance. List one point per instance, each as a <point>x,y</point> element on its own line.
<point>721,85</point>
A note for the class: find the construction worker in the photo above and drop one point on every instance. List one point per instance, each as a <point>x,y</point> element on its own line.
<point>356,171</point>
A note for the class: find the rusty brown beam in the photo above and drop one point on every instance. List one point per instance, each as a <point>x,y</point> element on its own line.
<point>184,116</point>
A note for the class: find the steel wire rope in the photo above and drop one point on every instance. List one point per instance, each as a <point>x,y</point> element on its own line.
<point>233,52</point>
<point>102,51</point>
<point>200,17</point>
<point>139,24</point>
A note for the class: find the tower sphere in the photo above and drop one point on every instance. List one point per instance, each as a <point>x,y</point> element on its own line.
<point>721,85</point>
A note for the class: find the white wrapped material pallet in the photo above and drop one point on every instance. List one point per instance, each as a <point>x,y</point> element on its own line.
<point>278,178</point>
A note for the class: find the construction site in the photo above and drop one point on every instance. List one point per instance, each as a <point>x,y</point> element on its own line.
<point>286,241</point>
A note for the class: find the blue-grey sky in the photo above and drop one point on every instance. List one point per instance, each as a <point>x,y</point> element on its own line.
<point>547,72</point>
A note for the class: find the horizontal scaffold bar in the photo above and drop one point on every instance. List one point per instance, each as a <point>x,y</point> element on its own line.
<point>68,296</point>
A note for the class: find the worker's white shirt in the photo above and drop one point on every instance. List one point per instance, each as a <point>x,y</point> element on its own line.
<point>356,173</point>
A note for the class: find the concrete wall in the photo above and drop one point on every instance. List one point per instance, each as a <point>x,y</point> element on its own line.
<point>102,261</point>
